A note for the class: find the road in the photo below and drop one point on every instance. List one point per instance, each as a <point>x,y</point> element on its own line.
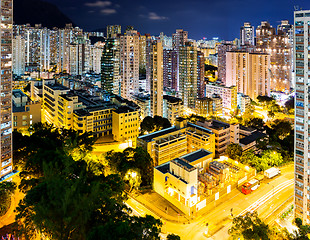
<point>9,217</point>
<point>265,200</point>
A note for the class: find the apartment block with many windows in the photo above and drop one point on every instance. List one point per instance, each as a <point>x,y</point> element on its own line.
<point>301,139</point>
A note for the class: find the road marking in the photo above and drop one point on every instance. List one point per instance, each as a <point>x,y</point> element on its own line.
<point>254,206</point>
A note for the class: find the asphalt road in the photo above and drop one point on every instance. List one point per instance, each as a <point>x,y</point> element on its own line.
<point>270,196</point>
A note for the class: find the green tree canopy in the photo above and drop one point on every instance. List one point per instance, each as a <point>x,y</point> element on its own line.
<point>150,124</point>
<point>66,199</point>
<point>234,151</point>
<point>249,227</point>
<point>257,123</point>
<point>6,190</point>
<point>136,159</point>
<point>172,236</point>
<point>281,128</point>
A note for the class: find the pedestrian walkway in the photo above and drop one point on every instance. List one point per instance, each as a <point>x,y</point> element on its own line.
<point>161,207</point>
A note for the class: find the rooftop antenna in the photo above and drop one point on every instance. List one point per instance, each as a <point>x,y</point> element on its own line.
<point>296,7</point>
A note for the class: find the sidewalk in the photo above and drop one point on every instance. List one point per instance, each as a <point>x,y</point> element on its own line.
<point>161,207</point>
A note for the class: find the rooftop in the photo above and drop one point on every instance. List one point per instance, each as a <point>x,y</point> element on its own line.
<point>252,138</point>
<point>194,156</point>
<point>151,136</point>
<point>164,168</point>
<point>124,109</point>
<point>18,93</point>
<point>184,164</point>
<point>244,128</point>
<point>199,127</point>
<point>172,99</point>
<point>219,125</point>
<point>57,87</point>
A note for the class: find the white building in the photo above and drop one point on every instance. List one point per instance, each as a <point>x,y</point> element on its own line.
<point>129,64</point>
<point>18,55</point>
<point>227,94</point>
<point>249,72</point>
<point>247,34</point>
<point>177,180</point>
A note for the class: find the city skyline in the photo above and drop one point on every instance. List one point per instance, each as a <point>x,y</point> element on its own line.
<point>200,18</point>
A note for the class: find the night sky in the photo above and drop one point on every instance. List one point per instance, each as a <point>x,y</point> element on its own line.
<point>201,18</point>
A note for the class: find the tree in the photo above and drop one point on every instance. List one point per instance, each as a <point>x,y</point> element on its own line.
<point>234,151</point>
<point>303,230</point>
<point>272,158</point>
<point>270,114</point>
<point>6,190</point>
<point>65,199</point>
<point>257,123</point>
<point>281,128</point>
<point>150,124</point>
<point>147,125</point>
<point>134,159</point>
<point>248,158</point>
<point>265,99</point>
<point>249,227</point>
<point>172,236</point>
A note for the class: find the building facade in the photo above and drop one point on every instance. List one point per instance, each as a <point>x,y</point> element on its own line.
<point>6,162</point>
<point>18,56</point>
<point>249,72</point>
<point>247,34</point>
<point>188,75</point>
<point>301,153</point>
<point>129,64</point>
<point>156,94</point>
<point>173,108</point>
<point>227,94</point>
<point>110,66</point>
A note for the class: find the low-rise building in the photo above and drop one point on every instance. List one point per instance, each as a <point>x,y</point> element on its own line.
<point>209,106</point>
<point>25,112</point>
<point>225,134</point>
<point>192,181</point>
<point>177,180</point>
<point>172,108</point>
<point>125,124</point>
<point>227,94</point>
<point>143,101</point>
<point>249,137</point>
<point>79,110</point>
<point>178,140</point>
<point>243,102</point>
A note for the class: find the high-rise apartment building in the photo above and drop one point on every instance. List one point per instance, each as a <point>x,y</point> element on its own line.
<point>142,53</point>
<point>78,58</point>
<point>113,31</point>
<point>95,54</point>
<point>201,86</point>
<point>249,72</point>
<point>279,46</point>
<point>170,69</point>
<point>157,79</point>
<point>18,56</point>
<point>110,66</point>
<point>179,38</point>
<point>188,74</point>
<point>148,62</point>
<point>222,49</point>
<point>129,62</point>
<point>247,34</point>
<point>6,164</point>
<point>301,146</point>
